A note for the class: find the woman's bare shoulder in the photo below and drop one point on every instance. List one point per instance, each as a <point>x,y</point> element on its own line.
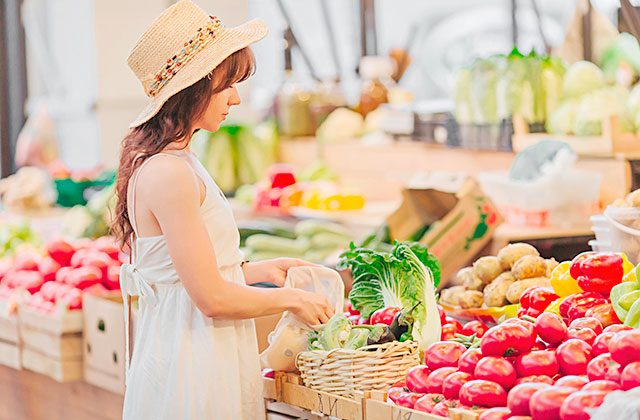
<point>167,177</point>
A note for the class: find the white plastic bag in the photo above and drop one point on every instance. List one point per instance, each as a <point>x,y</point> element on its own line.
<point>619,405</point>
<point>290,335</point>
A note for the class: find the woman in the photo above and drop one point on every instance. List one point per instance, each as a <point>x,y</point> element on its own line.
<point>195,353</point>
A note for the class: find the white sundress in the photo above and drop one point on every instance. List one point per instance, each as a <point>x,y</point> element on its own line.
<point>185,365</point>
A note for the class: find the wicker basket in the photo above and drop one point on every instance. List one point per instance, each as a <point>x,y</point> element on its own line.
<point>351,372</point>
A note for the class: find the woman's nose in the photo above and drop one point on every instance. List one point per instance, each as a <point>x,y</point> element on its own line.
<point>234,98</point>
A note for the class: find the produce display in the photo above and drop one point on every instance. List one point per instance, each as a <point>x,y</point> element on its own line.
<point>56,276</point>
<point>283,191</point>
<point>30,188</point>
<point>496,88</point>
<point>566,350</point>
<point>14,236</point>
<point>93,219</point>
<point>312,240</point>
<point>501,280</point>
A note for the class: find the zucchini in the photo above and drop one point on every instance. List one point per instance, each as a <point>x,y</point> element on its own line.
<point>313,227</point>
<point>285,246</point>
<point>327,240</point>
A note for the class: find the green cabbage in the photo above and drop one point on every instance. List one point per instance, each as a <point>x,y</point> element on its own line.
<point>601,104</point>
<point>401,278</point>
<point>335,332</point>
<point>581,78</point>
<point>563,118</point>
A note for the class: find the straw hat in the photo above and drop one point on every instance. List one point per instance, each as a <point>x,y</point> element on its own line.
<point>182,46</point>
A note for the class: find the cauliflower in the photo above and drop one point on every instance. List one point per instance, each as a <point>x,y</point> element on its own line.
<point>581,78</point>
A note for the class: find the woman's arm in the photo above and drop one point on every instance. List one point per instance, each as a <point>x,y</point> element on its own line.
<point>271,271</point>
<point>171,191</point>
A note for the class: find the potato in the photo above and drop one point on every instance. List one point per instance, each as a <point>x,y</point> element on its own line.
<point>528,267</point>
<point>473,283</point>
<point>462,275</point>
<point>471,299</point>
<point>511,253</point>
<point>551,264</point>
<point>451,295</point>
<point>487,269</point>
<point>495,293</point>
<point>515,291</point>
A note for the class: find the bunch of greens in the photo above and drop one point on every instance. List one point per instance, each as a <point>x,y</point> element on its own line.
<point>403,278</point>
<point>339,332</point>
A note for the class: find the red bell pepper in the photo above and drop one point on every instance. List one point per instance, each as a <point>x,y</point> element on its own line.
<point>536,299</point>
<point>599,272</point>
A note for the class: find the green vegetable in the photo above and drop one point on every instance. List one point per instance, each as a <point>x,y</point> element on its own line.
<point>357,338</point>
<point>623,53</point>
<point>405,337</point>
<point>403,321</point>
<point>397,279</point>
<point>261,242</point>
<point>600,104</point>
<point>335,332</point>
<point>616,294</point>
<point>581,78</point>
<point>313,227</point>
<point>628,299</point>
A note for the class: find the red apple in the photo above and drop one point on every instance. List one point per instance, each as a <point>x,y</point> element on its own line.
<point>61,251</point>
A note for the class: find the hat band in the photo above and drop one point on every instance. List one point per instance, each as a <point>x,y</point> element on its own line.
<point>190,48</point>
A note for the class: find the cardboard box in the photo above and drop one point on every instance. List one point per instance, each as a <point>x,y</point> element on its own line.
<point>461,217</point>
<point>104,349</point>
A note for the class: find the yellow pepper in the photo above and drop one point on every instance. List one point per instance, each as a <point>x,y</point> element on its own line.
<point>562,282</point>
<point>554,307</point>
<point>626,264</point>
<point>630,276</point>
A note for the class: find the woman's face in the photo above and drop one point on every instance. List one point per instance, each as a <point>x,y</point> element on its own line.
<point>218,109</point>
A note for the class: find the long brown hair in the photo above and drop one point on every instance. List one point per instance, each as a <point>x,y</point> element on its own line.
<point>172,123</point>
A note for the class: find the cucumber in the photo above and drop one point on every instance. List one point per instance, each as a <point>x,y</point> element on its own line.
<point>313,227</point>
<point>262,242</point>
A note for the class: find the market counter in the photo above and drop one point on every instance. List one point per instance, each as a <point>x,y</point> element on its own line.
<point>28,395</point>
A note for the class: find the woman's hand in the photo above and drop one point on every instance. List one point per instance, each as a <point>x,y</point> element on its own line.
<point>271,271</point>
<point>312,308</point>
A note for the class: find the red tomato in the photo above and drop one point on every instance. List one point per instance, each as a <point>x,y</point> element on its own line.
<point>573,356</point>
<point>427,402</point>
<point>545,403</point>
<point>518,398</point>
<point>352,310</point>
<point>452,384</point>
<point>543,379</point>
<point>72,299</point>
<point>538,298</point>
<point>79,256</point>
<point>417,379</point>
<point>48,267</point>
<point>26,261</point>
<point>407,399</point>
<point>601,385</point>
<point>542,362</point>
<point>448,332</point>
<point>599,366</point>
<point>585,334</point>
<point>384,316</point>
<point>441,409</point>
<point>572,381</point>
<point>604,314</point>
<point>587,322</point>
<point>437,377</point>
<point>83,277</point>
<point>107,244</point>
<point>450,320</point>
<point>539,345</point>
<point>506,339</point>
<point>61,251</point>
<point>96,290</point>
<point>469,360</point>
<point>30,281</point>
<point>576,305</point>
<point>576,269</point>
<point>443,316</point>
<point>48,290</point>
<point>483,393</point>
<point>496,369</point>
<point>573,408</point>
<point>496,413</point>
<point>61,275</point>
<point>550,328</point>
<point>394,392</point>
<point>617,328</point>
<point>601,343</point>
<point>112,282</point>
<point>475,327</point>
<point>364,321</point>
<point>630,377</point>
<point>625,347</point>
<point>443,353</point>
<point>99,260</point>
<point>613,374</point>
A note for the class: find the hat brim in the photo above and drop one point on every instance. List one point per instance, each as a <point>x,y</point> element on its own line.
<point>228,41</point>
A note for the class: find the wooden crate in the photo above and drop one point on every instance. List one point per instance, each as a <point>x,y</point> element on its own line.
<point>270,389</point>
<point>51,343</point>
<point>8,321</point>
<point>296,394</point>
<point>10,355</point>
<point>375,408</point>
<point>59,370</point>
<point>457,414</point>
<point>612,141</point>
